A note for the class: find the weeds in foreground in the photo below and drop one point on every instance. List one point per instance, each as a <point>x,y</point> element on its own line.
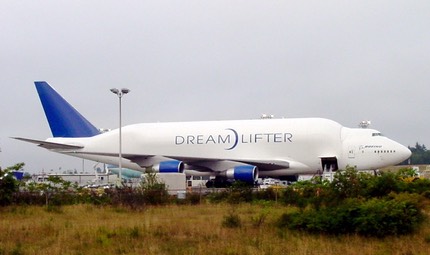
<point>232,219</point>
<point>183,229</point>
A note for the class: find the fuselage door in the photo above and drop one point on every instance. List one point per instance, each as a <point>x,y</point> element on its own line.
<point>329,164</point>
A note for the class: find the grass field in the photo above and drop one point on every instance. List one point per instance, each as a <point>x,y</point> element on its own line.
<point>178,229</point>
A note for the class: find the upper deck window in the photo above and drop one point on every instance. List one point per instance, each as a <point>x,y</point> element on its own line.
<point>377,134</point>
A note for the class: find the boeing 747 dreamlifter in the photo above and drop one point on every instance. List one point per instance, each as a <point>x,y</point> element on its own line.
<point>236,149</point>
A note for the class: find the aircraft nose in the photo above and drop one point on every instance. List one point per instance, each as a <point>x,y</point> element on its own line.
<point>404,152</point>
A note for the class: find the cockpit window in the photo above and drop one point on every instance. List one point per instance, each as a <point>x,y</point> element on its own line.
<point>377,134</point>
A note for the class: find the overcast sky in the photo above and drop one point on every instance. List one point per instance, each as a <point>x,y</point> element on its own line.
<point>213,60</point>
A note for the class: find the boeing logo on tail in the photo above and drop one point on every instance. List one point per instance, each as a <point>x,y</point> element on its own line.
<point>237,149</point>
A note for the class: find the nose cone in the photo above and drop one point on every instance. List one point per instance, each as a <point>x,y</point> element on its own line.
<point>404,153</point>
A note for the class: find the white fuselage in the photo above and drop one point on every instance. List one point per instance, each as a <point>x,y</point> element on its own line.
<point>301,143</point>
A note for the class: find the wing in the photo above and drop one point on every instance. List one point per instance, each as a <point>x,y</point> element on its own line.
<point>192,164</point>
<point>203,164</point>
<point>224,164</point>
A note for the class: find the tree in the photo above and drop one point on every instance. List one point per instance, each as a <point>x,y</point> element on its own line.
<point>8,184</point>
<point>349,183</point>
<point>420,155</point>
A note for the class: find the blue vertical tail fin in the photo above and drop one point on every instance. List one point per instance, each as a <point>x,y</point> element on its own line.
<point>63,119</point>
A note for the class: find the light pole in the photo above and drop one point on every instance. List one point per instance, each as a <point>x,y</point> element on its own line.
<point>120,93</point>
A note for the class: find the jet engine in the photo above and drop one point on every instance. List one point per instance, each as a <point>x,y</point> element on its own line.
<point>170,166</point>
<point>245,173</point>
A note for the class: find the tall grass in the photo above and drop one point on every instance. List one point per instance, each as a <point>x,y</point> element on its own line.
<point>178,229</point>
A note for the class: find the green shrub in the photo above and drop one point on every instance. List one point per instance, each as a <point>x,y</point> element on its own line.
<point>267,194</point>
<point>331,220</point>
<point>134,232</point>
<point>426,194</point>
<point>387,217</point>
<point>232,220</point>
<point>303,194</point>
<point>419,186</point>
<point>193,198</point>
<point>258,220</point>
<point>8,184</point>
<point>218,196</point>
<point>156,195</point>
<point>375,217</point>
<point>383,185</point>
<point>240,192</point>
<point>152,190</point>
<point>349,183</point>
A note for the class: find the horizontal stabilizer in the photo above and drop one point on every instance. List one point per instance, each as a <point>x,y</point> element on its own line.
<point>50,145</point>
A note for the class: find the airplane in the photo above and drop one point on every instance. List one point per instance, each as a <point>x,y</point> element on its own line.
<point>125,172</point>
<point>229,150</point>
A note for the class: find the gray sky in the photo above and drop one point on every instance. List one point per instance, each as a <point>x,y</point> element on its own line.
<point>213,60</point>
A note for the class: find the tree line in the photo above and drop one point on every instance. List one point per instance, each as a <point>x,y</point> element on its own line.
<point>420,155</point>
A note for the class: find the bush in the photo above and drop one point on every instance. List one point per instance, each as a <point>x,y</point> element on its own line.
<point>240,192</point>
<point>152,191</point>
<point>8,184</point>
<point>331,220</point>
<point>270,193</point>
<point>218,196</point>
<point>237,193</point>
<point>156,195</point>
<point>306,193</point>
<point>383,185</point>
<point>349,184</point>
<point>193,198</point>
<point>126,196</point>
<point>419,186</point>
<point>232,220</point>
<point>387,217</point>
<point>375,217</point>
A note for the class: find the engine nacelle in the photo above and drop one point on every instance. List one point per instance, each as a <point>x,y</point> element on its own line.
<point>245,173</point>
<point>170,166</point>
